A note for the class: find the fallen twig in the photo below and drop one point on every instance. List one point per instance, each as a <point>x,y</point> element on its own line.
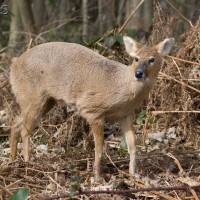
<point>194,194</point>
<point>182,60</point>
<point>167,76</point>
<point>6,82</point>
<point>175,111</point>
<point>124,191</point>
<point>5,190</point>
<point>177,163</point>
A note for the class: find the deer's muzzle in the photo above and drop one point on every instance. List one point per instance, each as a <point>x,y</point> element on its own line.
<point>141,71</point>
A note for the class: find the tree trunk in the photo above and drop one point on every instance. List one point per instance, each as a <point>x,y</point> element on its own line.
<point>39,13</point>
<point>26,15</point>
<point>109,16</point>
<point>63,8</point>
<point>1,41</point>
<point>120,12</point>
<point>148,14</point>
<point>106,15</point>
<point>136,21</point>
<point>85,19</point>
<point>100,16</point>
<point>15,24</point>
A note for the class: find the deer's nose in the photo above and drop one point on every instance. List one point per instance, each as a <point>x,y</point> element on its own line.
<point>139,73</point>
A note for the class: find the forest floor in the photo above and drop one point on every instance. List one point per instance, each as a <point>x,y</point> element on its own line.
<point>62,159</point>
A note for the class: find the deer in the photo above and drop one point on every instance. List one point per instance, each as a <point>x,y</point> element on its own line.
<point>96,87</point>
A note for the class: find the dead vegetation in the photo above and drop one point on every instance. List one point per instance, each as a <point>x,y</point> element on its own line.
<point>168,148</point>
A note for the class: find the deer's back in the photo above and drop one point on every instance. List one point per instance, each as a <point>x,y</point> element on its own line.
<point>58,64</point>
<point>69,72</point>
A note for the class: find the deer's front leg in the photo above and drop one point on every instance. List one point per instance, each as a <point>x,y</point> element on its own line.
<point>97,130</point>
<point>127,128</point>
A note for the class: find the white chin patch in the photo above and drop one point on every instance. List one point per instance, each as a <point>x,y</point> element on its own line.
<point>140,79</point>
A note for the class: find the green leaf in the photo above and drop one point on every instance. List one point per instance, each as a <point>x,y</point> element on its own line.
<point>92,42</point>
<point>141,117</point>
<point>71,191</point>
<point>131,32</point>
<point>110,41</point>
<point>152,120</point>
<point>72,180</point>
<point>70,166</point>
<point>21,194</point>
<point>119,38</point>
<point>123,144</point>
<point>79,180</point>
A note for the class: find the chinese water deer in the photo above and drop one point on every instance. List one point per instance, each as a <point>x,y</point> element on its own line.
<point>98,88</point>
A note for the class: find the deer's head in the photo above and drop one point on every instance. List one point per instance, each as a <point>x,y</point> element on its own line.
<point>147,60</point>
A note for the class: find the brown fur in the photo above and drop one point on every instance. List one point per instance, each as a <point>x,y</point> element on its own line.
<point>97,87</point>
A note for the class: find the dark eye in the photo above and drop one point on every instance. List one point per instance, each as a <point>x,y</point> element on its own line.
<point>136,59</point>
<point>151,60</point>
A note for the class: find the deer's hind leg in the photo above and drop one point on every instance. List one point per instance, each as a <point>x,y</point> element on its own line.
<point>14,136</point>
<point>31,113</point>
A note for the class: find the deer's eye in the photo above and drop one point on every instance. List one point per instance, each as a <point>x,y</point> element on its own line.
<point>136,59</point>
<point>151,60</point>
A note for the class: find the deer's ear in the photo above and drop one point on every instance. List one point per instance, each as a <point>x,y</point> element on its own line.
<point>165,46</point>
<point>131,45</point>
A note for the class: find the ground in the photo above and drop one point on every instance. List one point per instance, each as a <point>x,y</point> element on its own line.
<point>63,156</point>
